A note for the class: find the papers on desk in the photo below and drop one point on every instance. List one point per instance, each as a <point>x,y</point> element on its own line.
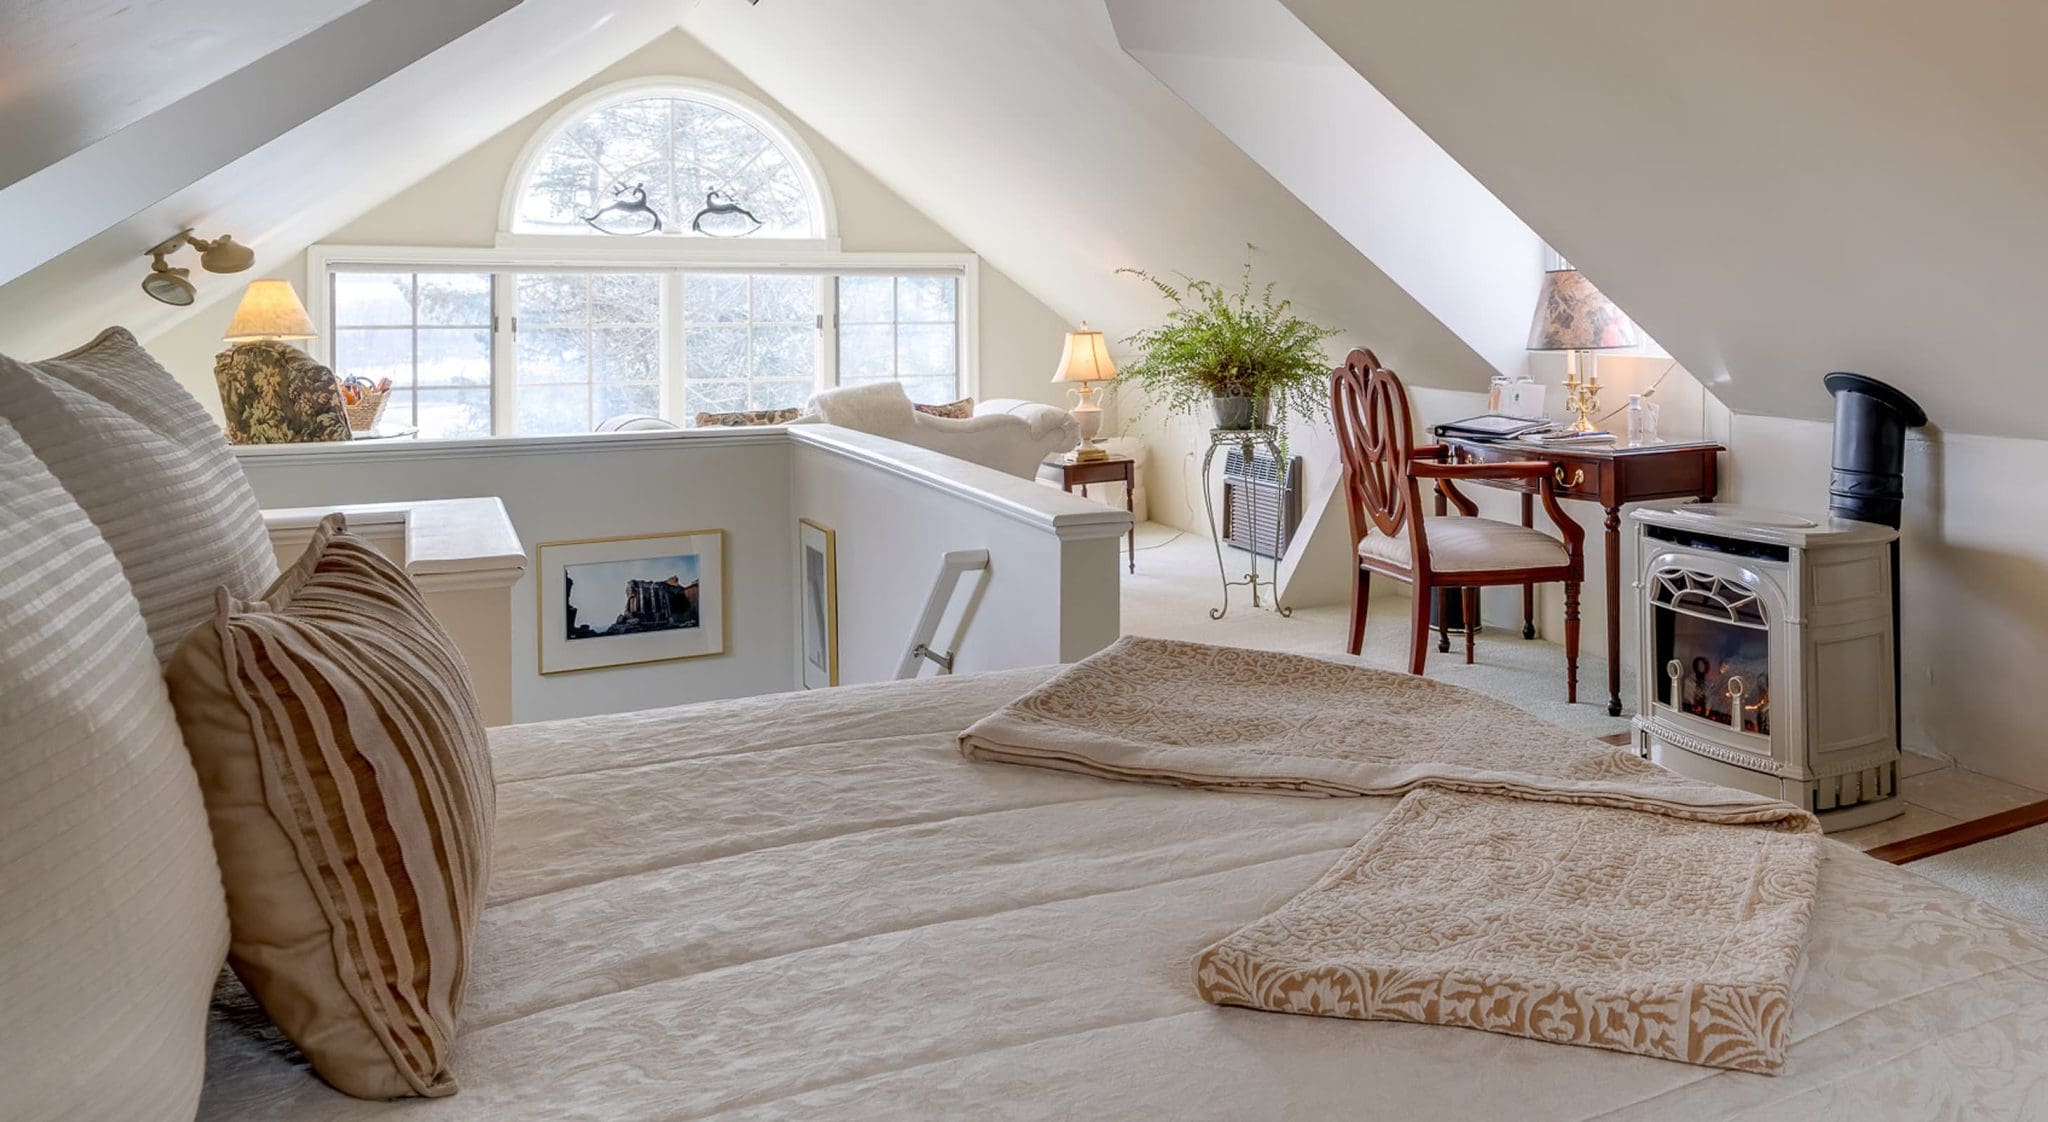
<point>1562,438</point>
<point>1493,426</point>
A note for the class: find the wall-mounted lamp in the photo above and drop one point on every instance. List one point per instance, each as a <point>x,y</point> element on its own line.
<point>171,284</point>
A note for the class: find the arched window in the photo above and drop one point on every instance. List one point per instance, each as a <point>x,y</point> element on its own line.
<point>673,160</point>
<point>665,247</point>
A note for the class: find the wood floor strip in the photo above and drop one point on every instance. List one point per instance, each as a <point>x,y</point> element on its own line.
<point>1907,850</point>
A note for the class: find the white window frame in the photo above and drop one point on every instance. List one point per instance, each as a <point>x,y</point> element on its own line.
<point>549,256</point>
<point>670,256</point>
<point>670,248</point>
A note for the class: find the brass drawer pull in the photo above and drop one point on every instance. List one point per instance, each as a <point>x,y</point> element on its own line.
<point>1578,477</point>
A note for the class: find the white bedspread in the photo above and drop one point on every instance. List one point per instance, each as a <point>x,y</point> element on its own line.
<point>811,907</point>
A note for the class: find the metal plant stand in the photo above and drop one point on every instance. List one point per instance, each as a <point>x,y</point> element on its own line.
<point>1245,440</point>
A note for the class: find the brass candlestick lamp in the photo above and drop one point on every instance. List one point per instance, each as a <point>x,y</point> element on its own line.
<point>1572,316</point>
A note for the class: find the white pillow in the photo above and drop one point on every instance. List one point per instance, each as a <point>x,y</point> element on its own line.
<point>151,469</point>
<point>113,925</point>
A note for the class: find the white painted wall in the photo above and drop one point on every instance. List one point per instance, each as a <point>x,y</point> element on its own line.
<point>1773,190</point>
<point>1053,595</point>
<point>1284,97</point>
<point>1052,589</point>
<point>563,490</point>
<point>457,205</point>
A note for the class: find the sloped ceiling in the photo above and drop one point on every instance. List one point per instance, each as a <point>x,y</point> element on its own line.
<point>1774,190</point>
<point>324,173</point>
<point>1027,131</point>
<point>74,71</point>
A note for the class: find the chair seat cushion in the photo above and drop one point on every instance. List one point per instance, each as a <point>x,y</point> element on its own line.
<point>1464,545</point>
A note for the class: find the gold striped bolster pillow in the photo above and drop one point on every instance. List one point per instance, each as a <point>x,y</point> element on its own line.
<point>348,782</point>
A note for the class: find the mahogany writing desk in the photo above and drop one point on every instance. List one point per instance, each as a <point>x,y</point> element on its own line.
<point>1612,475</point>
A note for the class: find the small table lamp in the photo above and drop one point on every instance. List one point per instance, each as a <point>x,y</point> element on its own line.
<point>270,309</point>
<point>1572,316</point>
<point>1085,363</point>
<point>271,392</point>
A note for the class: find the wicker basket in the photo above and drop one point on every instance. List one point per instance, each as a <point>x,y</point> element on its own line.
<point>368,410</point>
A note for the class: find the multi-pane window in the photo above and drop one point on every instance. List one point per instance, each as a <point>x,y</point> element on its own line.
<point>589,347</point>
<point>535,352</point>
<point>430,333</point>
<point>902,329</point>
<point>749,342</point>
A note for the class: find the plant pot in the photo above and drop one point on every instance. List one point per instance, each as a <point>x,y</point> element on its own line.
<point>1235,412</point>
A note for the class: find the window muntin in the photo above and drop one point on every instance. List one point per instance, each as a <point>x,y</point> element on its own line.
<point>749,342</point>
<point>580,347</point>
<point>691,151</point>
<point>588,347</point>
<point>430,333</point>
<point>903,329</point>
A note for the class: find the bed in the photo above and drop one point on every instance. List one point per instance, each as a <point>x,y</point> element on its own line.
<point>810,906</point>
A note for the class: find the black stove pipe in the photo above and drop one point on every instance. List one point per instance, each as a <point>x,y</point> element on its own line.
<point>1871,419</point>
<point>1869,480</point>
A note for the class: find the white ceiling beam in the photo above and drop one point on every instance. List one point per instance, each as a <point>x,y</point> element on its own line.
<point>98,187</point>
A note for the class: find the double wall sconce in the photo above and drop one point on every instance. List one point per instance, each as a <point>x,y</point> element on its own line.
<point>171,285</point>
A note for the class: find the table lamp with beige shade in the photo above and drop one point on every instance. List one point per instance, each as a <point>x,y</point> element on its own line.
<point>1572,316</point>
<point>1085,363</point>
<point>271,392</point>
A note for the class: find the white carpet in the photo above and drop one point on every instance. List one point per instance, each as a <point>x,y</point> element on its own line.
<point>2010,872</point>
<point>1176,584</point>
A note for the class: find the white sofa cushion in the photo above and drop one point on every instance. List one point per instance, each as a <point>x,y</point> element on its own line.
<point>152,471</point>
<point>1009,436</point>
<point>113,925</point>
<point>1458,544</point>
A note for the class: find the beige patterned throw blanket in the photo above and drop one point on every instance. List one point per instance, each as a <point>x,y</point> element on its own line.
<point>1533,882</point>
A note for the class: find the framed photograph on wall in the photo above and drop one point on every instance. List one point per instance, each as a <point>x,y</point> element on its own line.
<point>607,602</point>
<point>817,606</point>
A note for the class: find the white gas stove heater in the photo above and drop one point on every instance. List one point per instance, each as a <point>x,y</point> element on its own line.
<point>1769,648</point>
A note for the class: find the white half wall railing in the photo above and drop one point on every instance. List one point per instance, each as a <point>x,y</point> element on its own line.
<point>1051,592</point>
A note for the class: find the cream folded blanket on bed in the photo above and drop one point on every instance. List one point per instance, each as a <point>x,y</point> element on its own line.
<point>1534,883</point>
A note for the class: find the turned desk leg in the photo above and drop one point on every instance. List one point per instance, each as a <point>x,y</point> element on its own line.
<point>1613,611</point>
<point>1131,508</point>
<point>1443,603</point>
<point>1528,590</point>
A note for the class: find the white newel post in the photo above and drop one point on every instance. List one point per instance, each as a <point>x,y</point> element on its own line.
<point>464,556</point>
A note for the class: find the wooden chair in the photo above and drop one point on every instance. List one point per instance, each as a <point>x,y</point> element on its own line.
<point>1383,470</point>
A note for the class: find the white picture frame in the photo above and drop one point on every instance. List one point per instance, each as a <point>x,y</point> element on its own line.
<point>817,605</point>
<point>629,601</point>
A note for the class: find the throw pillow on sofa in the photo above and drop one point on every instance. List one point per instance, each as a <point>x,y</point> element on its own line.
<point>112,923</point>
<point>151,469</point>
<point>346,773</point>
<point>956,410</point>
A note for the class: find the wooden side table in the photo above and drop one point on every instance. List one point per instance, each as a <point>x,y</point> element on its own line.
<point>1116,469</point>
<point>1612,476</point>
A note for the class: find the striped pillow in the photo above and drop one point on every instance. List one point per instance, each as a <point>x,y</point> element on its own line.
<point>112,925</point>
<point>152,471</point>
<point>345,769</point>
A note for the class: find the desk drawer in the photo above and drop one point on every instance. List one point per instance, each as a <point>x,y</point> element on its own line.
<point>1574,477</point>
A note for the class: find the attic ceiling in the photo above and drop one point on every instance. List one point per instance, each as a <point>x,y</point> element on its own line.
<point>316,177</point>
<point>1773,190</point>
<point>1028,132</point>
<point>1025,130</point>
<point>74,71</point>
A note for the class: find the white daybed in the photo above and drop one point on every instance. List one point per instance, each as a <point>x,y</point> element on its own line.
<point>811,906</point>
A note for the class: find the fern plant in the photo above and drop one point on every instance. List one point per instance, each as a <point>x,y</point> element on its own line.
<point>1223,342</point>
